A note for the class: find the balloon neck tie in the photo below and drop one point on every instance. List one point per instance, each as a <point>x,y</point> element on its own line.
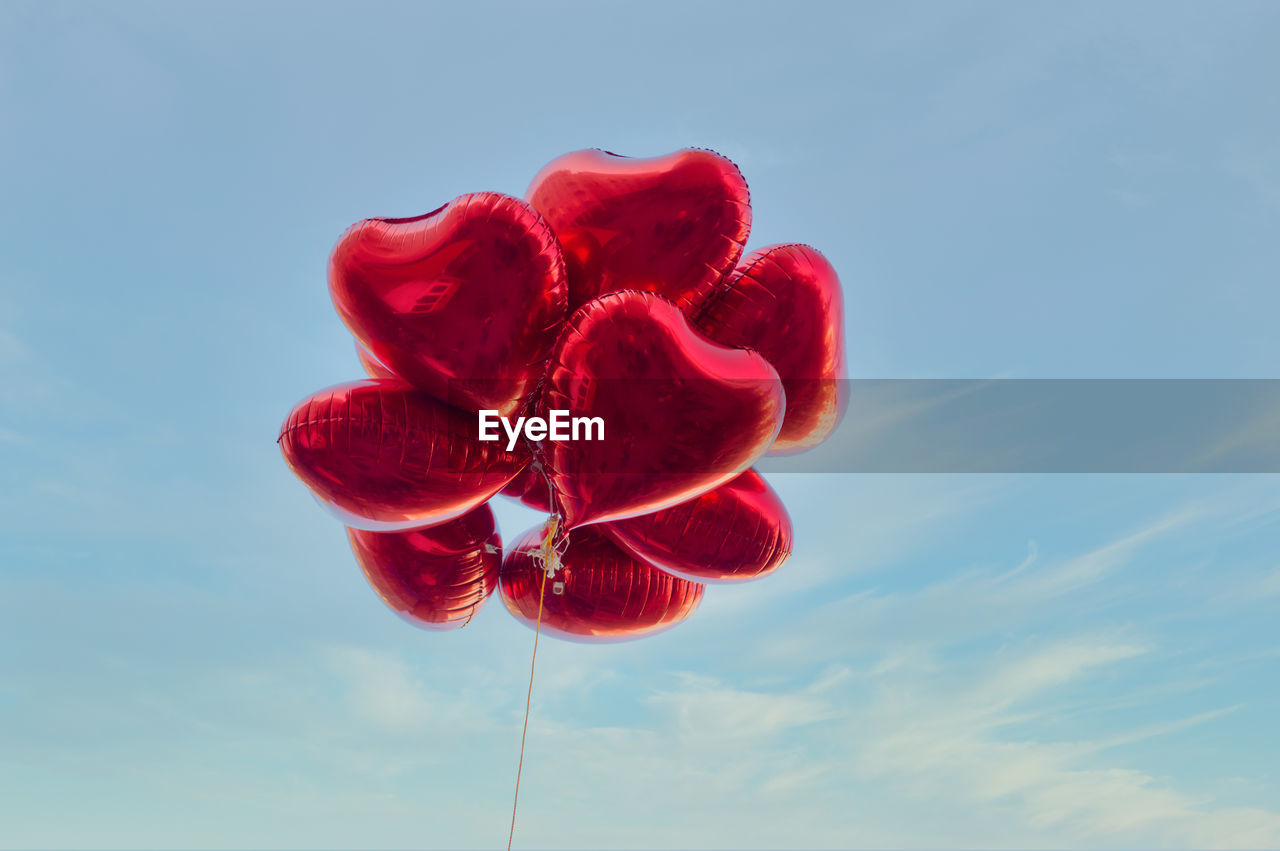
<point>549,553</point>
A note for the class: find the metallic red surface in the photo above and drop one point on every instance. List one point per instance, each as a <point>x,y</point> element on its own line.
<point>380,455</point>
<point>606,596</point>
<point>682,414</point>
<point>736,532</point>
<point>463,302</point>
<point>437,578</point>
<point>785,303</point>
<point>668,224</point>
<point>371,365</point>
<point>530,488</point>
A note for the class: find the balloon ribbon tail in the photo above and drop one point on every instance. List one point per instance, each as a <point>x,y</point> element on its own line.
<point>537,631</point>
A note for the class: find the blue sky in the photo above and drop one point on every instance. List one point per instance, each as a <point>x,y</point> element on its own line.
<point>190,658</point>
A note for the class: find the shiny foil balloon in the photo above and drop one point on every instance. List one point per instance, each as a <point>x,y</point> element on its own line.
<point>463,302</point>
<point>681,414</point>
<point>371,366</point>
<point>381,455</point>
<point>668,224</point>
<point>785,303</point>
<point>530,488</point>
<point>436,578</point>
<point>736,532</point>
<point>605,595</point>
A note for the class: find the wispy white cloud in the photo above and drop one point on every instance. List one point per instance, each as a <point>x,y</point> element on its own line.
<point>969,603</point>
<point>702,703</point>
<point>949,745</point>
<point>382,692</point>
<point>899,756</point>
<point>901,739</point>
<point>924,736</point>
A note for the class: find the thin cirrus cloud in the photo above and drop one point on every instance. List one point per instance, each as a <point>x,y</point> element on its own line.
<point>953,735</point>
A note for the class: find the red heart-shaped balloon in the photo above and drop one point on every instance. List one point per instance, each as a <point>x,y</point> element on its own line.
<point>371,365</point>
<point>681,414</point>
<point>530,488</point>
<point>437,578</point>
<point>463,302</point>
<point>599,593</point>
<point>668,224</point>
<point>736,532</point>
<point>784,302</point>
<point>382,456</point>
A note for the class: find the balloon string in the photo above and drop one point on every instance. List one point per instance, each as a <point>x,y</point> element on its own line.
<point>548,557</point>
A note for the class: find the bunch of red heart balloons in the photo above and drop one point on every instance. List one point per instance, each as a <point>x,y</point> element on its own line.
<point>616,290</point>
